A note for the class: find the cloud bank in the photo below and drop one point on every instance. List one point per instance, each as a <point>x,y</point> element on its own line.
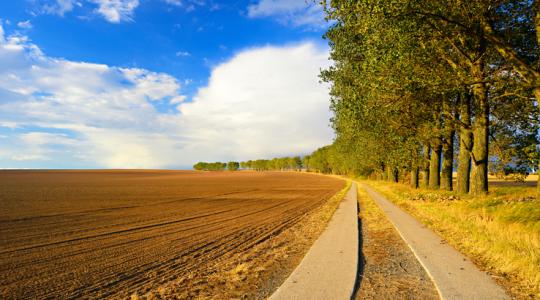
<point>263,102</point>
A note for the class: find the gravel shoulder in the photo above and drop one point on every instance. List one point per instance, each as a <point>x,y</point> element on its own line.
<point>389,268</point>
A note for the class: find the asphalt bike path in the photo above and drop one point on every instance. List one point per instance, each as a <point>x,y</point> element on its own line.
<point>329,269</point>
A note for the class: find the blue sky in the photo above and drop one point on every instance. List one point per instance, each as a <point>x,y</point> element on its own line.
<point>159,83</point>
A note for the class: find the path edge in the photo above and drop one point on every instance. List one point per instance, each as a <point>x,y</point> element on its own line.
<point>415,253</point>
<point>504,294</point>
<point>353,289</point>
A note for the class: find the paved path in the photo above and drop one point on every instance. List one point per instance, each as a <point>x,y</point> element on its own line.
<point>328,271</point>
<point>454,275</point>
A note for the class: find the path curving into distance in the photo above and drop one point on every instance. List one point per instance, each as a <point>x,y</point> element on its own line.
<point>454,275</point>
<point>328,271</point>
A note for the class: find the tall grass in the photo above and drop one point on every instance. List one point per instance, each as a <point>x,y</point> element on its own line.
<point>499,231</point>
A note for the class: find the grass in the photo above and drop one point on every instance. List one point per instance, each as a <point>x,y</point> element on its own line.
<point>499,231</point>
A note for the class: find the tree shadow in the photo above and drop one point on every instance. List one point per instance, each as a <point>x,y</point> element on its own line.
<point>361,259</point>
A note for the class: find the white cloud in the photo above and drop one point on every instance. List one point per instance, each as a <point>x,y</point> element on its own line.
<point>25,25</point>
<point>2,39</point>
<point>116,11</point>
<point>261,103</point>
<point>191,5</point>
<point>294,12</point>
<point>60,7</point>
<point>37,145</point>
<point>174,2</point>
<point>182,54</point>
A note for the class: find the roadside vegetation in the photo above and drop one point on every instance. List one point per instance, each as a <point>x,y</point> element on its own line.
<point>499,231</point>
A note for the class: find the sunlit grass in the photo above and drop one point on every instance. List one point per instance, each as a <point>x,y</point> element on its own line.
<point>499,231</point>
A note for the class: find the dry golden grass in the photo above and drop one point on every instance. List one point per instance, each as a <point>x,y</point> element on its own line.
<point>499,231</point>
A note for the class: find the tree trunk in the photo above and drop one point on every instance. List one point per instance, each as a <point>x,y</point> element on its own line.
<point>448,147</point>
<point>414,177</point>
<point>465,145</point>
<point>537,96</point>
<point>395,175</point>
<point>536,7</point>
<point>383,172</point>
<point>425,166</point>
<point>389,173</point>
<point>480,150</point>
<point>448,161</point>
<point>435,165</point>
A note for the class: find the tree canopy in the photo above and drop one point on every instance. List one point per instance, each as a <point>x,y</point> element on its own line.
<point>422,87</point>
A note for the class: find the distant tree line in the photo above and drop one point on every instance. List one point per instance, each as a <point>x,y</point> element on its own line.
<point>275,164</point>
<point>423,88</point>
<point>215,166</point>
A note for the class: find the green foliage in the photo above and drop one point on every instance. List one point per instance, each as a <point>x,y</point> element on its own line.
<point>275,164</point>
<point>233,166</point>
<point>402,69</point>
<point>204,166</point>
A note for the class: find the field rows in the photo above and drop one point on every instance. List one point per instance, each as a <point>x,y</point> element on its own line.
<point>150,229</point>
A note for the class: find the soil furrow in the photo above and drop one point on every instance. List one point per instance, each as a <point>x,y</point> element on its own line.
<point>109,234</point>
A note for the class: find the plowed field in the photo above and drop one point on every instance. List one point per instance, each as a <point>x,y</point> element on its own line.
<point>73,234</point>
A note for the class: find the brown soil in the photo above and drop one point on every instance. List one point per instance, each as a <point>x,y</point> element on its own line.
<point>73,234</point>
<point>390,270</point>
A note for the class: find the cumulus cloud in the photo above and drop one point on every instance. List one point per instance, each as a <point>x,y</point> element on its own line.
<point>116,11</point>
<point>25,24</point>
<point>262,102</point>
<point>294,12</point>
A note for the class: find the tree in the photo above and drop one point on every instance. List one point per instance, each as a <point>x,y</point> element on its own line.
<point>411,75</point>
<point>233,166</point>
<point>204,166</point>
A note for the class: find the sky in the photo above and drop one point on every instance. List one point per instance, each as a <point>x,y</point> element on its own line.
<point>160,83</point>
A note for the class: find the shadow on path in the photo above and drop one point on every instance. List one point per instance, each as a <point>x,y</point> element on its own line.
<point>361,258</point>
